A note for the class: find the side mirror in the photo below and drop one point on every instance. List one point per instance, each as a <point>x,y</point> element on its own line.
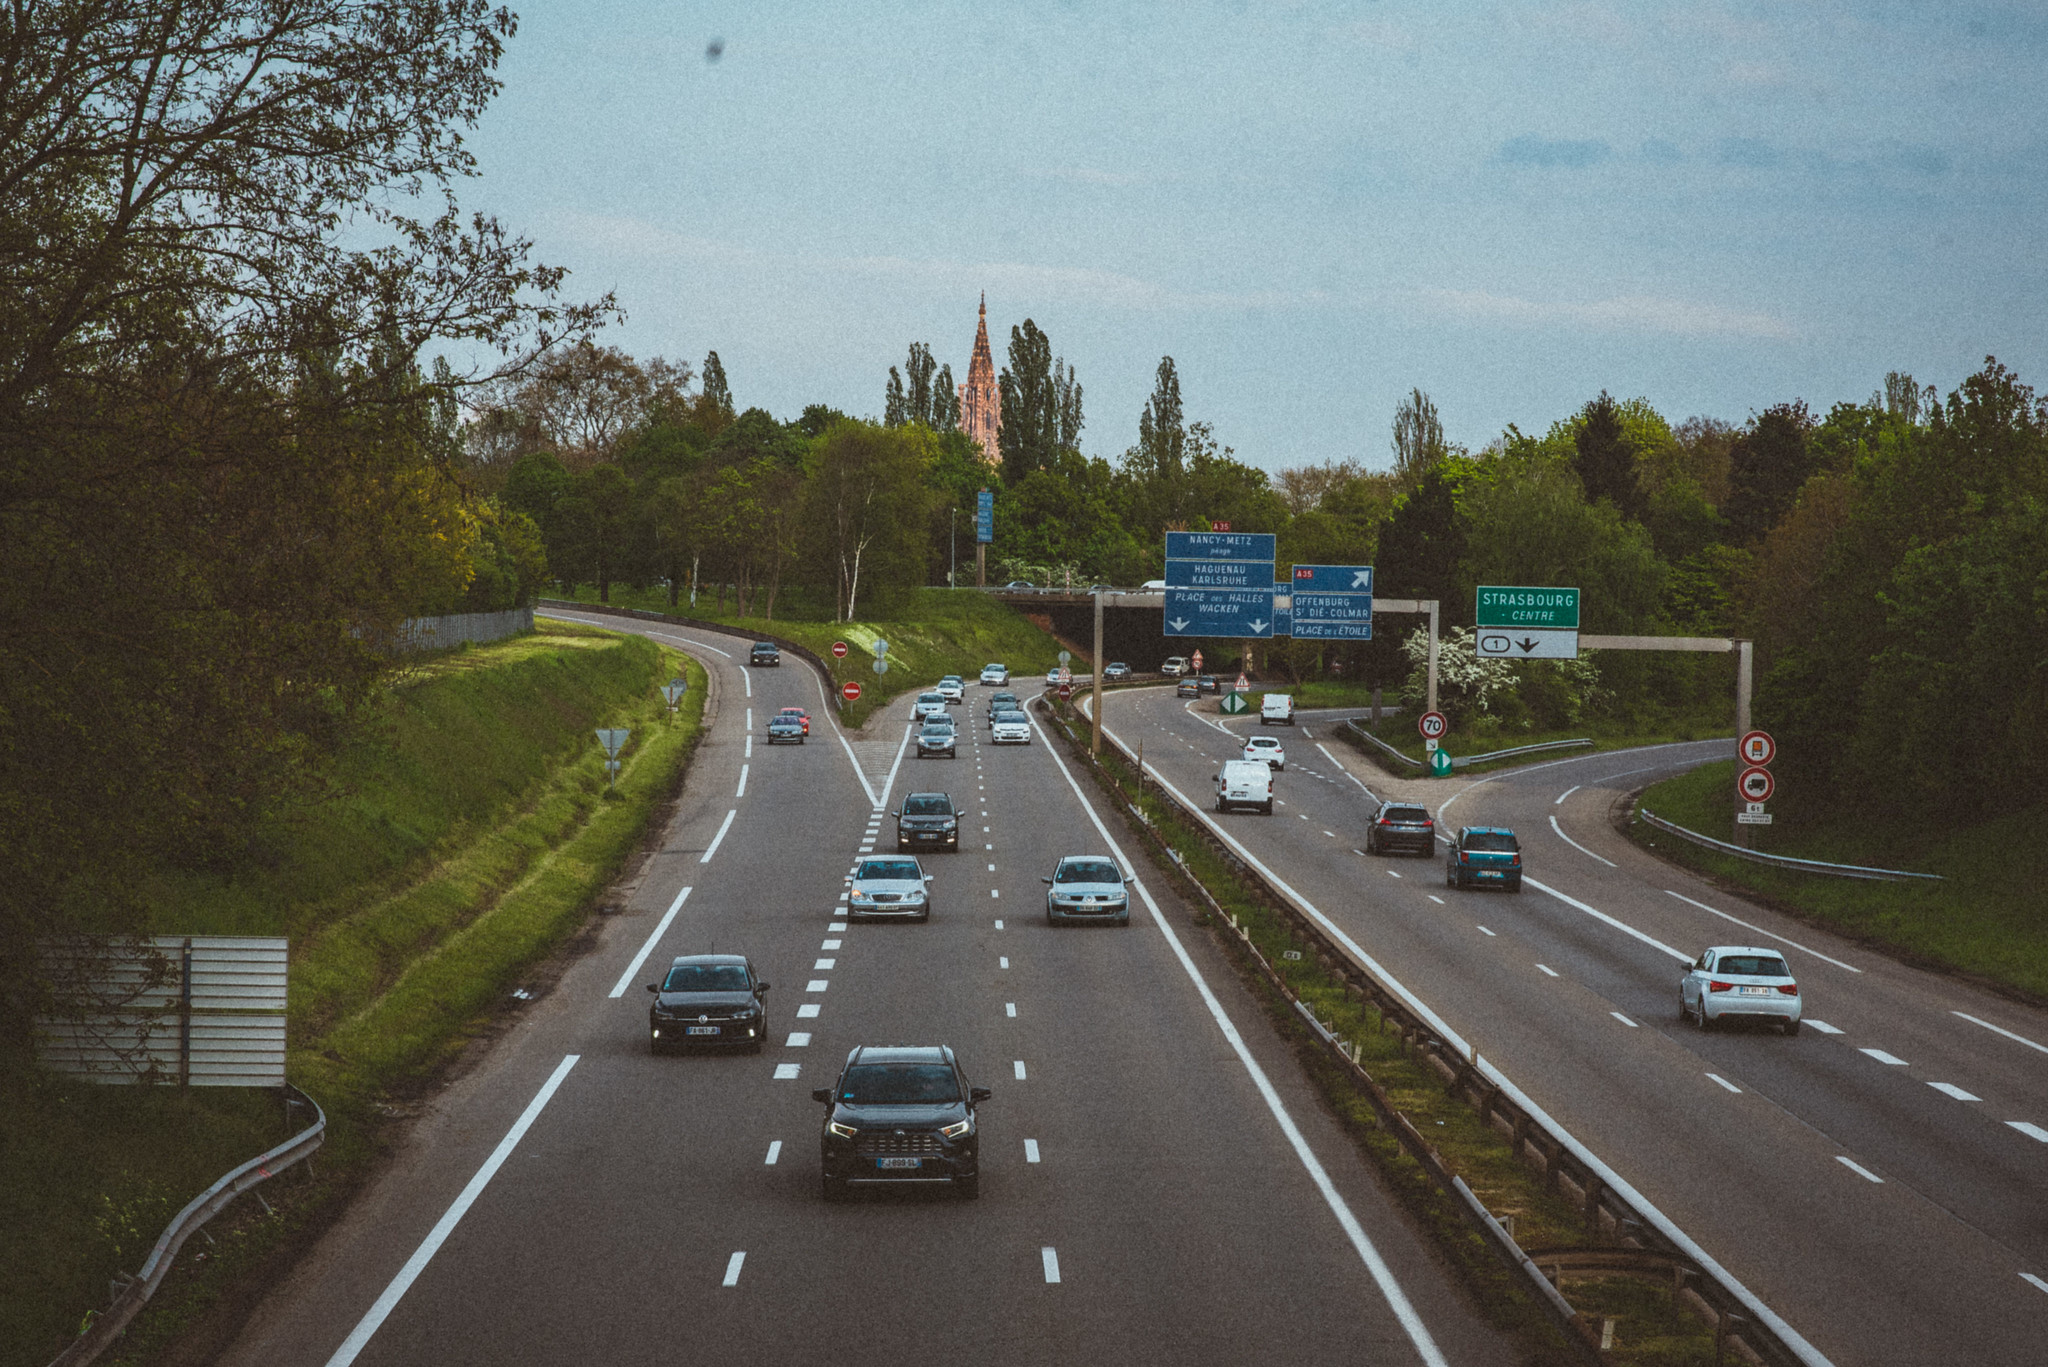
<point>761,989</point>
<point>897,815</point>
<point>823,1094</point>
<point>1046,881</point>
<point>927,878</point>
<point>979,1094</point>
<point>654,987</point>
<point>1215,778</point>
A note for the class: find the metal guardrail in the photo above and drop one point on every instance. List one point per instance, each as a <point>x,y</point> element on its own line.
<point>1462,761</point>
<point>1643,1247</point>
<point>1782,861</point>
<point>132,1293</point>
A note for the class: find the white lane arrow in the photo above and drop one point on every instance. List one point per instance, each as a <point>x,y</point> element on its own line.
<point>1178,623</point>
<point>1361,579</point>
<point>1258,626</point>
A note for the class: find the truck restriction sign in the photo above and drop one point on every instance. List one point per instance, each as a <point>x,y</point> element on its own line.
<point>1756,784</point>
<point>1757,748</point>
<point>1432,725</point>
<point>850,691</point>
<point>839,650</point>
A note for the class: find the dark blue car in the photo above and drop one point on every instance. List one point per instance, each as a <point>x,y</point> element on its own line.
<point>1488,856</point>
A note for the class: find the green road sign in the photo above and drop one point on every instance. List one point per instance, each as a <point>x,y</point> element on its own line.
<point>1232,703</point>
<point>1507,606</point>
<point>1440,763</point>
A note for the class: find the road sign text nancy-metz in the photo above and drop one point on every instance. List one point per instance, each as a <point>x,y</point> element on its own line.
<point>1528,607</point>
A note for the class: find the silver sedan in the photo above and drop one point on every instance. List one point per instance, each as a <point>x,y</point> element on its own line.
<point>1087,887</point>
<point>892,886</point>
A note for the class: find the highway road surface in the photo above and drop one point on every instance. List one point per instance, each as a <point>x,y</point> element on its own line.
<point>1159,1185</point>
<point>1880,1181</point>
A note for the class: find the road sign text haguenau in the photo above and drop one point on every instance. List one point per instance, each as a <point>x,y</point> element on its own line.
<point>1504,606</point>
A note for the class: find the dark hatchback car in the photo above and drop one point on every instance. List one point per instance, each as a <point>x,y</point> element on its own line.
<point>765,653</point>
<point>928,821</point>
<point>785,726</point>
<point>900,1116</point>
<point>708,999</point>
<point>1195,685</point>
<point>1401,826</point>
<point>936,737</point>
<point>1489,856</point>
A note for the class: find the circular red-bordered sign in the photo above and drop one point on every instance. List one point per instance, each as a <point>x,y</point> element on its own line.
<point>1432,725</point>
<point>1066,690</point>
<point>1756,784</point>
<point>839,650</point>
<point>1757,747</point>
<point>850,691</point>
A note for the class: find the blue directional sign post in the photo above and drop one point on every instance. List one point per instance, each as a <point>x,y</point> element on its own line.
<point>1332,603</point>
<point>1219,584</point>
<point>985,516</point>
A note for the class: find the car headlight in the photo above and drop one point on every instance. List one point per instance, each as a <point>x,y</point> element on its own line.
<point>863,896</point>
<point>843,1131</point>
<point>955,1131</point>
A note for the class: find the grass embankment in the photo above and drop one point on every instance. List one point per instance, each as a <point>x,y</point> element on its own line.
<point>1652,1329</point>
<point>936,632</point>
<point>1988,917</point>
<point>471,831</point>
<point>1469,739</point>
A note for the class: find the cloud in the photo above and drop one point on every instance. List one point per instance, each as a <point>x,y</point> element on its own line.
<point>1753,153</point>
<point>1534,151</point>
<point>1632,313</point>
<point>1662,152</point>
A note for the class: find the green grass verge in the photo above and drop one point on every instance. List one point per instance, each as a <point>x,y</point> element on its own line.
<point>1652,1328</point>
<point>472,830</point>
<point>1400,733</point>
<point>937,632</point>
<point>1988,917</point>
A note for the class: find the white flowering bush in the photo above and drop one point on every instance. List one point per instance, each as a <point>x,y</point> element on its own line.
<point>1467,683</point>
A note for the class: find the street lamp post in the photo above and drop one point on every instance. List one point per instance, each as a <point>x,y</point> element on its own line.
<point>952,548</point>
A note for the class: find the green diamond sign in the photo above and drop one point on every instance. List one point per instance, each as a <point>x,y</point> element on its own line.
<point>1232,703</point>
<point>1440,763</point>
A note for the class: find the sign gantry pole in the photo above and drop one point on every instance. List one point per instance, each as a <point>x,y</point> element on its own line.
<point>1743,835</point>
<point>1095,739</point>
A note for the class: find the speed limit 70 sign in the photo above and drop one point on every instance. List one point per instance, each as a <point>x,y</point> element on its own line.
<point>1756,784</point>
<point>1433,725</point>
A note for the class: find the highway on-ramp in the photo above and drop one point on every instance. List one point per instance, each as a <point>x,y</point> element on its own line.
<point>1159,1183</point>
<point>1880,1181</point>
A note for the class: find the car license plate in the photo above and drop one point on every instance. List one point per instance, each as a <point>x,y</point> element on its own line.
<point>898,1162</point>
<point>1489,873</point>
<point>702,1030</point>
<point>1756,991</point>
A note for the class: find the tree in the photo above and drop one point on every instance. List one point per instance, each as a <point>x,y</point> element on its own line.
<point>895,408</point>
<point>945,402</point>
<point>1066,393</point>
<point>1418,437</point>
<point>1030,434</point>
<point>866,510</point>
<point>586,399</point>
<point>1767,464</point>
<point>1162,431</point>
<point>1423,543</point>
<point>716,395</point>
<point>1604,456</point>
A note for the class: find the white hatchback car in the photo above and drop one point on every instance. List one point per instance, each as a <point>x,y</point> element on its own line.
<point>1729,981</point>
<point>995,676</point>
<point>950,688</point>
<point>1267,748</point>
<point>929,704</point>
<point>1010,728</point>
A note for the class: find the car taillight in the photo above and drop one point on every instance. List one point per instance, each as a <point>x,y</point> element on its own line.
<point>1464,858</point>
<point>1427,824</point>
<point>1384,822</point>
<point>1514,861</point>
<point>1720,987</point>
<point>1789,989</point>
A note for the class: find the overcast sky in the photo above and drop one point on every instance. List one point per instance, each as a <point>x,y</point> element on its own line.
<point>1311,207</point>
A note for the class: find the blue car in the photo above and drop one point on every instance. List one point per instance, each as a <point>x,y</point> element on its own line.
<point>1488,856</point>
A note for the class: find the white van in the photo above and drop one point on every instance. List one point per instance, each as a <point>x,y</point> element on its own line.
<point>1245,783</point>
<point>1276,709</point>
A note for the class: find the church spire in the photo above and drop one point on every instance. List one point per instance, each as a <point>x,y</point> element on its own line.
<point>981,402</point>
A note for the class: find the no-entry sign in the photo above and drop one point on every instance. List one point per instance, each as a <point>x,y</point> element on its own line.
<point>1756,784</point>
<point>1432,725</point>
<point>1066,690</point>
<point>1757,748</point>
<point>839,650</point>
<point>850,691</point>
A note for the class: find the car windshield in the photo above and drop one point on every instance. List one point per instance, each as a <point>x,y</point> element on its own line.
<point>1495,842</point>
<point>994,667</point>
<point>888,868</point>
<point>706,978</point>
<point>936,733</point>
<point>1752,966</point>
<point>930,698</point>
<point>1263,743</point>
<point>927,806</point>
<point>897,1084</point>
<point>1010,716</point>
<point>1407,814</point>
<point>1087,871</point>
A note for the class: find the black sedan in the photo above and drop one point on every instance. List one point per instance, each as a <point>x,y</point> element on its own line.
<point>929,821</point>
<point>708,999</point>
<point>900,1116</point>
<point>1401,826</point>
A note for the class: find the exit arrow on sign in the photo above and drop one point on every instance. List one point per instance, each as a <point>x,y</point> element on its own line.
<point>1528,643</point>
<point>1258,626</point>
<point>1179,624</point>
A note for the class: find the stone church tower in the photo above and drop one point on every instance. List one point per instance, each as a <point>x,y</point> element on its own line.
<point>981,402</point>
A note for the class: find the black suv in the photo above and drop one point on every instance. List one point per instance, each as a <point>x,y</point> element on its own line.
<point>900,1115</point>
<point>765,653</point>
<point>708,999</point>
<point>928,821</point>
<point>1401,826</point>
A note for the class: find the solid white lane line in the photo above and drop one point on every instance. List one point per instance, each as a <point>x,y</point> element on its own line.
<point>1998,1030</point>
<point>1577,846</point>
<point>808,1011</point>
<point>1624,1020</point>
<point>2029,1129</point>
<point>381,1310</point>
<point>743,780</point>
<point>774,1152</point>
<point>815,985</point>
<point>653,939</point>
<point>1009,1008</point>
<point>1020,1070</point>
<point>1725,1083</point>
<point>1622,926</point>
<point>1382,1275</point>
<point>1560,802</point>
<point>824,965</point>
<point>1950,1089</point>
<point>1346,772</point>
<point>1822,1026</point>
<point>1761,931</point>
<point>1891,1060</point>
<point>798,1039</point>
<point>732,1269</point>
<point>785,1072</point>
<point>1551,971</point>
<point>1484,931</point>
<point>1052,1266</point>
<point>2034,1281</point>
<point>1031,1150</point>
<point>1859,1169</point>
<point>724,826</point>
<point>747,679</point>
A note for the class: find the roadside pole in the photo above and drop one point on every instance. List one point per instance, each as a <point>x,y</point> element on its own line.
<point>981,564</point>
<point>1432,651</point>
<point>1744,835</point>
<point>1095,740</point>
<point>1419,606</point>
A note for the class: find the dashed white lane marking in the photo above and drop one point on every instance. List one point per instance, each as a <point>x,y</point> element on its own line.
<point>2034,1281</point>
<point>999,923</point>
<point>808,1011</point>
<point>1302,815</point>
<point>1997,1030</point>
<point>799,1039</point>
<point>1434,898</point>
<point>1822,1026</point>
<point>1052,1265</point>
<point>1859,1169</point>
<point>660,929</point>
<point>732,1269</point>
<point>774,1152</point>
<point>1892,1060</point>
<point>785,1071</point>
<point>750,719</point>
<point>1020,1070</point>
<point>1003,962</point>
<point>1484,931</point>
<point>991,868</point>
<point>988,847</point>
<point>1392,874</point>
<point>1009,1008</point>
<point>712,848</point>
<point>984,829</point>
<point>1577,846</point>
<point>1331,834</point>
<point>836,926</point>
<point>995,892</point>
<point>1560,802</point>
<point>743,780</point>
<point>1725,1083</point>
<point>380,1311</point>
<point>2029,1129</point>
<point>824,965</point>
<point>1548,969</point>
<point>1761,931</point>
<point>749,753</point>
<point>1950,1089</point>
<point>830,944</point>
<point>1624,1020</point>
<point>1031,1150</point>
<point>815,985</point>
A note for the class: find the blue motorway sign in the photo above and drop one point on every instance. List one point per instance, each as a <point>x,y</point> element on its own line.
<point>1349,579</point>
<point>1251,547</point>
<point>1219,574</point>
<point>1332,603</point>
<point>1238,613</point>
<point>985,516</point>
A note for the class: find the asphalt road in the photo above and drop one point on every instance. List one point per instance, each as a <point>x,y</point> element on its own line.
<point>1880,1181</point>
<point>1159,1185</point>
